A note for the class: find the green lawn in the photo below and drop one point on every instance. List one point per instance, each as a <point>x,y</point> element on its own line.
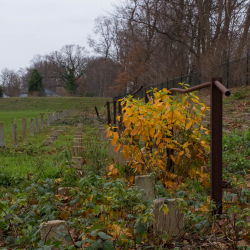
<point>11,108</point>
<point>42,104</point>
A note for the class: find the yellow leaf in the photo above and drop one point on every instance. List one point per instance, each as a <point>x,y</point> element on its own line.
<point>117,147</point>
<point>185,145</point>
<point>131,179</point>
<point>164,208</point>
<point>118,118</point>
<point>115,138</point>
<point>111,167</point>
<point>194,100</point>
<point>134,131</point>
<point>168,184</point>
<point>172,157</point>
<point>181,153</point>
<point>189,125</point>
<point>114,171</point>
<point>152,131</point>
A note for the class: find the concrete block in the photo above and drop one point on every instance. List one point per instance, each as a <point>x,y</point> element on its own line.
<point>122,160</point>
<point>51,139</point>
<point>147,183</point>
<point>78,139</point>
<point>32,127</point>
<point>96,122</point>
<point>173,222</point>
<point>42,123</point>
<point>102,133</point>
<point>37,125</point>
<point>48,120</point>
<point>14,134</point>
<point>77,144</point>
<point>24,129</point>
<point>49,231</point>
<point>77,151</point>
<point>64,191</point>
<point>2,142</point>
<point>77,162</point>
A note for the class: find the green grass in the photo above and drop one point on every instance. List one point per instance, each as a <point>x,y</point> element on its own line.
<point>42,104</point>
<point>11,108</point>
<point>34,157</point>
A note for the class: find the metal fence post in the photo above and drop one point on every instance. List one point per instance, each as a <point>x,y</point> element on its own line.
<point>96,111</point>
<point>227,72</point>
<point>247,67</point>
<point>108,111</point>
<point>114,108</point>
<point>120,113</point>
<point>216,145</point>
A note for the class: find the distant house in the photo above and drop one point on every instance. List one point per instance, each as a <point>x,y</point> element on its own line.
<point>46,91</point>
<point>5,96</point>
<point>50,93</point>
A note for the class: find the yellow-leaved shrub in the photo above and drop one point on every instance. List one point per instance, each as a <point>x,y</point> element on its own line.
<point>164,135</point>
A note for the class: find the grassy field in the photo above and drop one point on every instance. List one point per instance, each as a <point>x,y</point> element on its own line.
<point>42,104</point>
<point>11,108</point>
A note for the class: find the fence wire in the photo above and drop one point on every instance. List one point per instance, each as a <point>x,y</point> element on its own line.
<point>234,74</point>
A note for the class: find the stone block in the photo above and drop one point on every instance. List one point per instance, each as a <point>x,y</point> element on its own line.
<point>77,151</point>
<point>77,144</point>
<point>102,133</point>
<point>14,134</point>
<point>147,183</point>
<point>24,129</point>
<point>2,142</point>
<point>49,231</point>
<point>37,125</point>
<point>78,139</point>
<point>32,128</point>
<point>173,222</point>
<point>121,159</point>
<point>42,123</point>
<point>64,191</point>
<point>96,122</point>
<point>51,139</point>
<point>77,162</point>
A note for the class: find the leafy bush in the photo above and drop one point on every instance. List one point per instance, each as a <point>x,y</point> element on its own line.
<point>164,134</point>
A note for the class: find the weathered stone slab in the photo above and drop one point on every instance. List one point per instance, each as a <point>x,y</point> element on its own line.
<point>42,123</point>
<point>14,134</point>
<point>49,231</point>
<point>147,183</point>
<point>173,222</point>
<point>24,129</point>
<point>64,191</point>
<point>32,127</point>
<point>77,162</point>
<point>2,142</point>
<point>77,151</point>
<point>37,125</point>
<point>102,133</point>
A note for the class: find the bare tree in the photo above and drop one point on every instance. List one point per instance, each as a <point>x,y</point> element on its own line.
<point>11,82</point>
<point>68,65</point>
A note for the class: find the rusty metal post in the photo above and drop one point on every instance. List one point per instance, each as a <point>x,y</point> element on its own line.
<point>145,97</point>
<point>108,111</point>
<point>114,113</point>
<point>216,145</point>
<point>96,111</point>
<point>120,114</point>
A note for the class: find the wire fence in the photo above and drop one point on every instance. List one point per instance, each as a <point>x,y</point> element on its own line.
<point>234,74</point>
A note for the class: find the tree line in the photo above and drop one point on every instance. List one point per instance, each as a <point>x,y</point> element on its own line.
<point>141,43</point>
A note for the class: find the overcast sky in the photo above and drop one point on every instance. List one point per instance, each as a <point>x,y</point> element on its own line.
<point>30,27</point>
